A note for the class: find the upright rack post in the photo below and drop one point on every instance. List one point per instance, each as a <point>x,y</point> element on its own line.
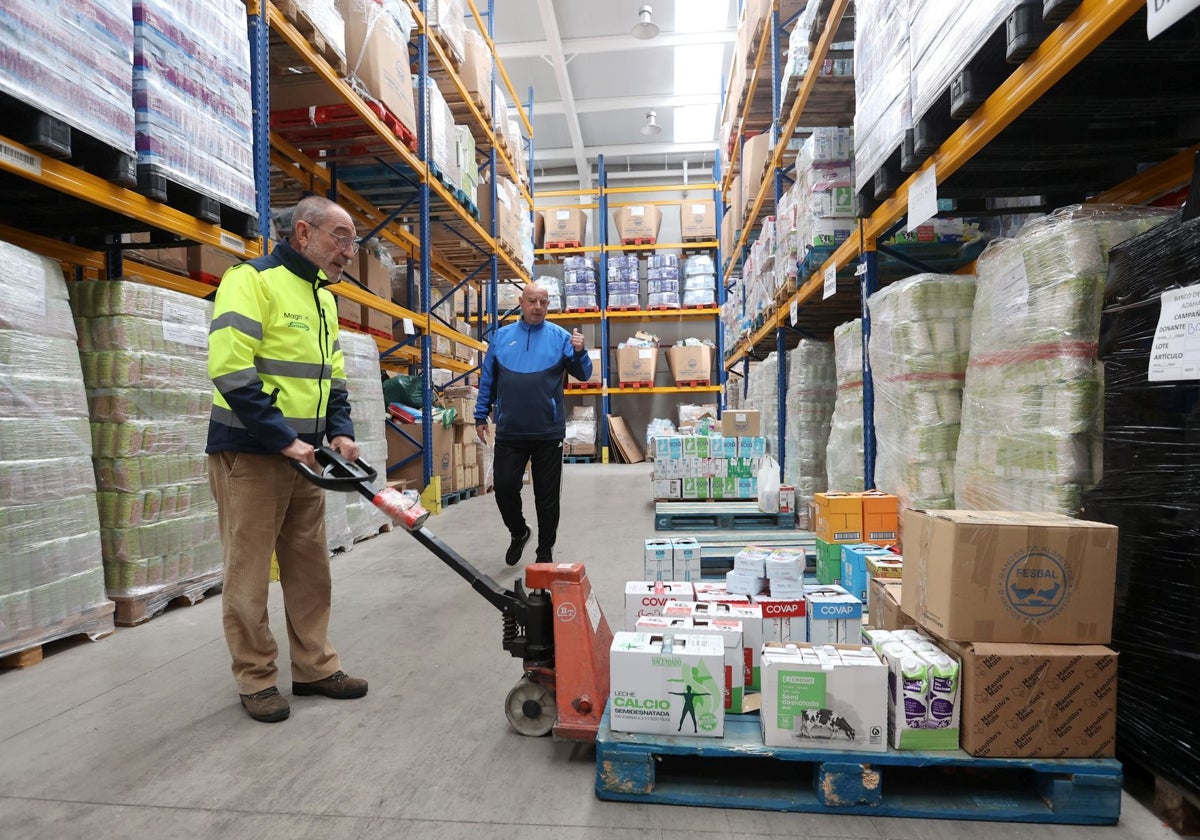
<point>602,241</point>
<point>870,283</point>
<point>260,106</point>
<point>426,246</point>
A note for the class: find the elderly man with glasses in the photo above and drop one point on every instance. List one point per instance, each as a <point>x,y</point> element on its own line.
<point>280,391</point>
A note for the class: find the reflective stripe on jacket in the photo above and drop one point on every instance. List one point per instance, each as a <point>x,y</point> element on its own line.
<point>274,357</point>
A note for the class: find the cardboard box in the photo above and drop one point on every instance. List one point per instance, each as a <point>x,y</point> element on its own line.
<point>994,576</point>
<point>649,597</point>
<point>924,695</point>
<point>730,633</point>
<point>885,566</point>
<point>690,363</point>
<point>839,517</point>
<point>670,689</point>
<point>784,619</point>
<point>686,558</point>
<point>1045,701</point>
<point>698,220</point>
<point>740,423</point>
<point>476,70</point>
<point>376,276</point>
<point>754,160</point>
<point>377,50</point>
<point>833,615</point>
<point>829,562</point>
<point>597,376</point>
<point>209,260</point>
<point>696,488</point>
<point>624,443</point>
<point>854,567</point>
<point>884,608</point>
<point>668,488</point>
<point>565,225</point>
<point>172,259</point>
<point>881,518</point>
<point>822,697</point>
<point>659,559</point>
<point>443,453</point>
<point>638,221</point>
<point>752,626</point>
<point>636,364</point>
<point>743,583</point>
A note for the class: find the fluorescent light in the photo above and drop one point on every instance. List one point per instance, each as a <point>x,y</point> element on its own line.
<point>645,28</point>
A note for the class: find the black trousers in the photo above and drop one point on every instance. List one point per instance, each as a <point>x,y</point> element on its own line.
<point>545,460</point>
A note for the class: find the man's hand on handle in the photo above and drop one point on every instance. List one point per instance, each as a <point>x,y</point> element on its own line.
<point>300,451</point>
<point>346,447</point>
<point>577,343</point>
<point>481,432</point>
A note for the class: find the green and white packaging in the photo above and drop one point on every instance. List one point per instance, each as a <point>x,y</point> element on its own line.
<point>667,684</point>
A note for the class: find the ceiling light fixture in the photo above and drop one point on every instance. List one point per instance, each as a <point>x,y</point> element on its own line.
<point>645,28</point>
<point>651,127</point>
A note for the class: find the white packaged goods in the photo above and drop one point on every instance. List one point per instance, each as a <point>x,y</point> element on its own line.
<point>448,19</point>
<point>762,395</point>
<point>714,592</point>
<point>750,615</point>
<point>144,359</point>
<point>1031,438</point>
<point>834,615</point>
<point>752,560</point>
<point>737,655</point>
<point>648,597</point>
<point>51,574</point>
<point>785,564</point>
<point>788,588</point>
<point>882,89</point>
<point>659,559</point>
<point>579,283</point>
<point>361,358</point>
<point>923,691</point>
<point>831,697</point>
<point>844,454</point>
<point>811,393</point>
<point>193,134</point>
<point>742,583</point>
<point>784,617</point>
<point>699,281</point>
<point>667,683</point>
<point>686,551</point>
<point>443,138</point>
<point>920,335</point>
<point>54,58</point>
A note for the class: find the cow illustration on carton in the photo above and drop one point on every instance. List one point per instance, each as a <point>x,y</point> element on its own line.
<point>824,724</point>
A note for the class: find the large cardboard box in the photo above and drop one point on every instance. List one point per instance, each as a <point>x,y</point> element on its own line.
<point>735,652</point>
<point>833,615</point>
<point>650,597</point>
<point>885,610</point>
<point>638,221</point>
<point>750,615</point>
<point>698,220</point>
<point>399,448</point>
<point>996,576</point>
<point>636,364</point>
<point>839,517</point>
<point>1044,701</point>
<point>597,370</point>
<point>377,52</point>
<point>376,276</point>
<point>740,423</point>
<point>291,93</point>
<point>754,160</point>
<point>829,697</point>
<point>669,688</point>
<point>172,259</point>
<point>690,363</point>
<point>210,261</point>
<point>476,70</point>
<point>659,559</point>
<point>565,225</point>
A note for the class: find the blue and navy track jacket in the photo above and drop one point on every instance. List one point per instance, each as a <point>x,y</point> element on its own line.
<point>521,381</point>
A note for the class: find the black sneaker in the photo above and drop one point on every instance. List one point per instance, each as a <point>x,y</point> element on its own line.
<point>545,555</point>
<point>513,556</point>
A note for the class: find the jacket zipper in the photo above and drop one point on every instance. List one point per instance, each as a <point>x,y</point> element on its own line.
<point>324,341</point>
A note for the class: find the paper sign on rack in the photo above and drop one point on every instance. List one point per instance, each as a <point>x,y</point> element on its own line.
<point>922,199</point>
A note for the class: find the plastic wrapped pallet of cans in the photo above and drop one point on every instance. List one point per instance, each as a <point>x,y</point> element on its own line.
<point>920,334</point>
<point>1030,437</point>
<point>51,575</point>
<point>844,454</point>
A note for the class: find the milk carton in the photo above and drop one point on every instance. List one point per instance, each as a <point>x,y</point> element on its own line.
<point>648,597</point>
<point>686,558</point>
<point>751,560</point>
<point>667,683</point>
<point>752,626</point>
<point>854,567</point>
<point>659,560</point>
<point>834,616</point>
<point>785,619</point>
<point>737,657</point>
<point>923,692</point>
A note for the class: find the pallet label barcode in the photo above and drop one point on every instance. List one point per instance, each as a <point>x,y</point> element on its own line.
<point>233,243</point>
<point>20,158</point>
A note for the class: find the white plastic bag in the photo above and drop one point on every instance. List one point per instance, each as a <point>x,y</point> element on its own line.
<point>489,456</point>
<point>768,485</point>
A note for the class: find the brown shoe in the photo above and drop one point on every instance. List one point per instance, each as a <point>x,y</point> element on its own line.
<point>337,685</point>
<point>268,705</point>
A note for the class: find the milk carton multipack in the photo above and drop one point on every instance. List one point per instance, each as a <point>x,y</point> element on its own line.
<point>786,564</point>
<point>648,597</point>
<point>828,697</point>
<point>737,657</point>
<point>667,683</point>
<point>854,567</point>
<point>714,592</point>
<point>785,619</point>
<point>659,560</point>
<point>752,626</point>
<point>744,583</point>
<point>834,616</point>
<point>923,690</point>
<point>686,554</point>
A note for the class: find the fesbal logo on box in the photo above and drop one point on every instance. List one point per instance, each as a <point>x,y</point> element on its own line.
<point>1035,584</point>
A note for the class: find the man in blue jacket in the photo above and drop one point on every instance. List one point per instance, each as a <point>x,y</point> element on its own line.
<point>521,386</point>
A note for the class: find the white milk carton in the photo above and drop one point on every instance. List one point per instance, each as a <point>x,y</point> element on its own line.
<point>834,616</point>
<point>784,619</point>
<point>827,697</point>
<point>686,552</point>
<point>736,654</point>
<point>923,695</point>
<point>659,560</point>
<point>648,597</point>
<point>752,626</point>
<point>667,683</point>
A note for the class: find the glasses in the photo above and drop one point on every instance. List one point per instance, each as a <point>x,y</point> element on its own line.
<point>343,241</point>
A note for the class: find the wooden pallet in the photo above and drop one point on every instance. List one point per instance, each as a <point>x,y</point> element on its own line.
<point>132,610</point>
<point>581,386</point>
<point>639,240</point>
<point>90,623</point>
<point>564,243</point>
<point>692,383</point>
<point>662,308</point>
<point>581,310</point>
<point>157,183</point>
<point>736,516</point>
<point>305,27</point>
<point>457,496</point>
<point>624,309</point>
<point>579,459</point>
<point>385,528</point>
<point>636,385</point>
<point>712,305</point>
<point>738,771</point>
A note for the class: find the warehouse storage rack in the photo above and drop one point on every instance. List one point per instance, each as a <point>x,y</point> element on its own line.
<point>86,215</point>
<point>858,263</point>
<point>604,196</point>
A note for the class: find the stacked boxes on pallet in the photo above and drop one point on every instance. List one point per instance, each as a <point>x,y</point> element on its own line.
<point>810,400</point>
<point>624,283</point>
<point>361,361</point>
<point>844,455</point>
<point>326,20</point>
<point>823,190</point>
<point>51,45</point>
<point>882,91</point>
<point>443,139</point>
<point>51,575</point>
<point>376,37</point>
<point>448,20</point>
<point>579,283</point>
<point>920,334</point>
<point>762,395</point>
<point>144,354</point>
<point>1031,435</point>
<point>699,467</point>
<point>191,93</point>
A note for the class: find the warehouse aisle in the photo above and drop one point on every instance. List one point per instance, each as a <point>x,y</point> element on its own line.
<point>141,735</point>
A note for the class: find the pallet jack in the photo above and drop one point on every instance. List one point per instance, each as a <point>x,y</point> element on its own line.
<point>556,626</point>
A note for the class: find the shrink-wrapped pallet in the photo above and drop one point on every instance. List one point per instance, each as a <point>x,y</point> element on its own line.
<point>360,357</point>
<point>810,399</point>
<point>844,455</point>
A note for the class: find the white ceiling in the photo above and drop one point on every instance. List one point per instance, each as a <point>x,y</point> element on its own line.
<point>593,83</point>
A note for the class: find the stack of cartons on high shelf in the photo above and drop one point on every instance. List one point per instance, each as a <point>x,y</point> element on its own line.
<point>51,572</point>
<point>810,401</point>
<point>762,395</point>
<point>844,455</point>
<point>360,358</point>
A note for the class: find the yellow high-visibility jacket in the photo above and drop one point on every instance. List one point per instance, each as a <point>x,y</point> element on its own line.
<point>274,357</point>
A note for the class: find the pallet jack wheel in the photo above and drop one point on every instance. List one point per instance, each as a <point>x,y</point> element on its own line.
<point>531,708</point>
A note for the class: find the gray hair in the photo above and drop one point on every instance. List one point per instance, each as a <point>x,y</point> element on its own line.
<point>313,209</point>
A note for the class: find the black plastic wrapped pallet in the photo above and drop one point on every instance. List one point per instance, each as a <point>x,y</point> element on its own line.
<point>1151,491</point>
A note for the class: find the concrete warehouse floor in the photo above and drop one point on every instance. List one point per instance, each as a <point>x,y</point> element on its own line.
<point>141,735</point>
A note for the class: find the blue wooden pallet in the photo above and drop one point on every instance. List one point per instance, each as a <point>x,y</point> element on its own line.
<point>579,459</point>
<point>738,771</point>
<point>736,516</point>
<point>459,496</point>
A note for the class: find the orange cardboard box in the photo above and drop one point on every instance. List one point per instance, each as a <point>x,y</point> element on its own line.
<point>839,517</point>
<point>880,517</point>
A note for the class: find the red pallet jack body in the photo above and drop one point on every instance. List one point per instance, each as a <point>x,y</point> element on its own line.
<point>553,623</point>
